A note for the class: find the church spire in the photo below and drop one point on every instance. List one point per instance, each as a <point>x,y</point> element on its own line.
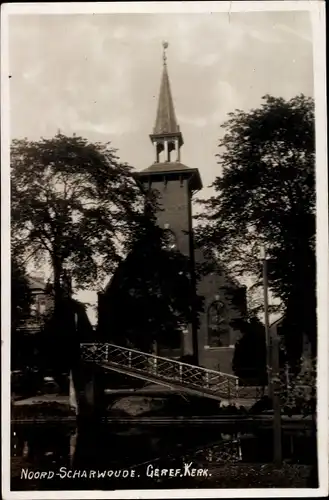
<point>166,118</point>
<point>166,134</point>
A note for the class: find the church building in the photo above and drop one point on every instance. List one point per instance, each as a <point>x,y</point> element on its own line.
<point>176,184</point>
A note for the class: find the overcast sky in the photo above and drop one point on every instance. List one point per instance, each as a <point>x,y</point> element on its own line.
<point>99,75</point>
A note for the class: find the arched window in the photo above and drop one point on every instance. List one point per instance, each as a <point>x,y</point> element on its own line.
<point>218,331</point>
<point>34,308</point>
<point>169,240</point>
<point>42,306</point>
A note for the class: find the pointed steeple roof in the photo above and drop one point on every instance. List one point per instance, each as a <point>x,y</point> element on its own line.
<point>165,122</point>
<point>167,138</point>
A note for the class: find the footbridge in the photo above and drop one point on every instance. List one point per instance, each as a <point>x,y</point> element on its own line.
<point>170,373</point>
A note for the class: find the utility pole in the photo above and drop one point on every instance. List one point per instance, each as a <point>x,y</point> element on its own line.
<point>272,355</point>
<point>195,342</point>
<point>72,385</point>
<point>194,322</point>
<point>267,325</point>
<point>277,436</point>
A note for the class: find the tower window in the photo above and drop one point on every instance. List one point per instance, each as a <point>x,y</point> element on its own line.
<point>34,309</point>
<point>42,307</point>
<point>217,328</point>
<point>169,240</point>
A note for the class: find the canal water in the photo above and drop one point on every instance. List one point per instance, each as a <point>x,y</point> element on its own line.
<point>126,457</point>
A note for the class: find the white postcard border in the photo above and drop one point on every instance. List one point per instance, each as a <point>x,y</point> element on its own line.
<point>317,10</point>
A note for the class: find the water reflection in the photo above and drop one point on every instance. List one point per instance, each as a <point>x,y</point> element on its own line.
<point>49,447</point>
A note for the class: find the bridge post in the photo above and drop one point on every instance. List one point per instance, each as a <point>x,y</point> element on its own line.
<point>73,395</point>
<point>180,372</point>
<point>90,391</point>
<point>237,388</point>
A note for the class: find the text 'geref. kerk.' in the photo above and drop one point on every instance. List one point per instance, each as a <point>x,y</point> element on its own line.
<point>150,471</point>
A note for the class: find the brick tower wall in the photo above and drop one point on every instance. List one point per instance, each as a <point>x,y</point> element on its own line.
<point>174,200</point>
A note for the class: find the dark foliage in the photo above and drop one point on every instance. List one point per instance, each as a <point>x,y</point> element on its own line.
<point>265,195</point>
<point>21,300</point>
<point>20,295</point>
<point>150,297</point>
<point>76,207</point>
<point>249,361</point>
<point>73,204</point>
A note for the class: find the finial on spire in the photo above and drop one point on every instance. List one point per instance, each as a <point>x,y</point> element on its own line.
<point>165,46</point>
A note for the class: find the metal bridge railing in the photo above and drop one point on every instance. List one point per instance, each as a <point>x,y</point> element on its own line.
<point>168,370</point>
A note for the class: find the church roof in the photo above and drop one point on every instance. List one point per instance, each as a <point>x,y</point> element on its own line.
<point>36,283</point>
<point>165,122</point>
<point>277,322</point>
<point>166,167</point>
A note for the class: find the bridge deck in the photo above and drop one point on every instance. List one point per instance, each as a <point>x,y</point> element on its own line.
<point>175,375</point>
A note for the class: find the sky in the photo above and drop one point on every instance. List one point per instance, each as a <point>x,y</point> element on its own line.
<point>98,76</point>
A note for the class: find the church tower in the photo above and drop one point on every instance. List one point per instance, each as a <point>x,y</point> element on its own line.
<point>174,182</point>
<point>210,338</point>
